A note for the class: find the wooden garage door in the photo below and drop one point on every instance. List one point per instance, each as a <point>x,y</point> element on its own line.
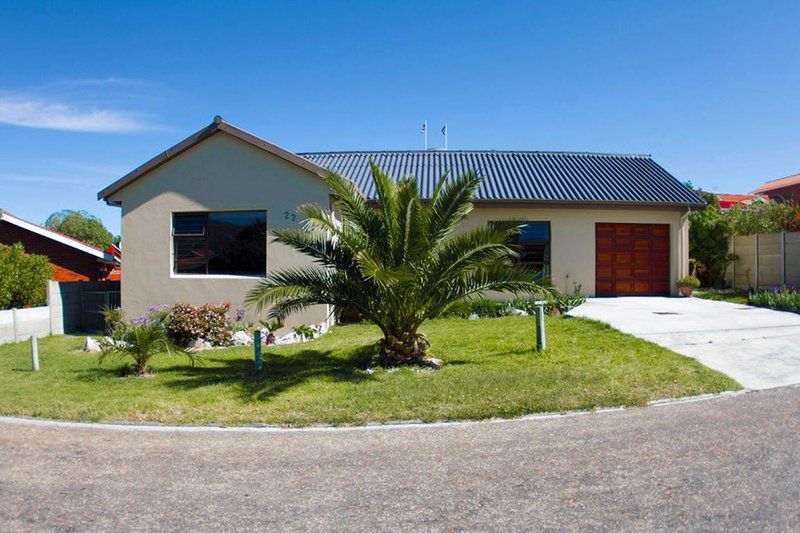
<point>631,259</point>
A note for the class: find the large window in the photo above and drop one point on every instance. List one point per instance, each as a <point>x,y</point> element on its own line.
<point>225,242</point>
<point>533,245</point>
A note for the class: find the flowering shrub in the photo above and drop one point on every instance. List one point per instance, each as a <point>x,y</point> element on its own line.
<point>207,322</point>
<point>784,298</point>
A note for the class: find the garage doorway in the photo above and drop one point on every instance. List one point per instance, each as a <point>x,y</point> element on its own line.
<point>631,259</point>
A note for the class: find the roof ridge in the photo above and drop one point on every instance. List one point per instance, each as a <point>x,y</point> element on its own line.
<point>543,152</point>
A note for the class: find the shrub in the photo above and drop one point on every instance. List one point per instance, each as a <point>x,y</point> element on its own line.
<point>139,340</point>
<point>23,277</point>
<point>556,303</point>
<point>689,281</point>
<point>785,298</point>
<point>207,322</point>
<point>709,231</point>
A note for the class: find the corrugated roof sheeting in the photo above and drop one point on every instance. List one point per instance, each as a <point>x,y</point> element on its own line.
<point>537,176</point>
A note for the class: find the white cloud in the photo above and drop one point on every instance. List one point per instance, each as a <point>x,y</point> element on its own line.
<point>33,112</point>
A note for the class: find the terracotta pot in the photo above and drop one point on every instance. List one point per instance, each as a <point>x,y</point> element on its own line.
<point>686,291</point>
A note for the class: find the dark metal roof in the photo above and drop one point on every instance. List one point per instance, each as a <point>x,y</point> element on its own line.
<point>532,176</point>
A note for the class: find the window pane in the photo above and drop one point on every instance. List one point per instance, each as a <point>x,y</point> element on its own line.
<point>189,224</point>
<point>191,255</point>
<point>535,232</point>
<point>237,243</point>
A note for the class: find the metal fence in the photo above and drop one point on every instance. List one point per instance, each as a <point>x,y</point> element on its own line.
<point>93,303</point>
<point>764,260</point>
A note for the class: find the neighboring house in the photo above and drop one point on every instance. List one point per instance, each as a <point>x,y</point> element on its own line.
<point>70,259</point>
<point>785,189</point>
<point>728,200</point>
<point>195,218</point>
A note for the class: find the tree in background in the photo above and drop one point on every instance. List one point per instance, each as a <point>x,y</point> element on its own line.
<point>709,232</point>
<point>82,226</point>
<point>23,277</point>
<point>764,217</point>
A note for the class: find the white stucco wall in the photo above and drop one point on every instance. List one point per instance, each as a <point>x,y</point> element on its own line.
<point>222,173</point>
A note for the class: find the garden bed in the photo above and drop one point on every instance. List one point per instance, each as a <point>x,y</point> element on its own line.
<point>490,370</point>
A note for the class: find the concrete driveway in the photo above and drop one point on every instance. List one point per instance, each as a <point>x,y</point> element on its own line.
<point>759,348</point>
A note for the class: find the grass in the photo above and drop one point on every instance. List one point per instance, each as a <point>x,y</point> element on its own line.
<point>491,371</point>
<point>735,296</point>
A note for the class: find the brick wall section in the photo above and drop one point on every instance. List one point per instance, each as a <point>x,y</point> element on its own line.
<point>68,263</point>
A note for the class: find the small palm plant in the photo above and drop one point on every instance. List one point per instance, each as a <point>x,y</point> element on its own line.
<point>140,341</point>
<point>395,261</point>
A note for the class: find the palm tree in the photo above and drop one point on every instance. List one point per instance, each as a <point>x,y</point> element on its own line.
<point>395,260</point>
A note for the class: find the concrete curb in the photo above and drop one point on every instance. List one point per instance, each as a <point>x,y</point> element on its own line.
<point>407,424</point>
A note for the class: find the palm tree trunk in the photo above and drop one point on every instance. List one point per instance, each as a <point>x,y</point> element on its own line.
<point>403,348</point>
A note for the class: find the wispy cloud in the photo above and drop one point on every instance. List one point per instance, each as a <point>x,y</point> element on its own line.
<point>33,112</point>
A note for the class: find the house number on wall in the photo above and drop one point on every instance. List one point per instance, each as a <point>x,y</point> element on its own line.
<point>290,216</point>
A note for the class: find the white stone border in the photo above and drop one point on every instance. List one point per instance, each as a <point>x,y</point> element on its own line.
<point>407,424</point>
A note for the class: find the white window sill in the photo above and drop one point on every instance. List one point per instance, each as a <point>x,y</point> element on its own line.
<point>214,276</point>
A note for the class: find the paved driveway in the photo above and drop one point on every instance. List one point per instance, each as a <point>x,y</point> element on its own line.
<point>759,348</point>
<point>731,463</point>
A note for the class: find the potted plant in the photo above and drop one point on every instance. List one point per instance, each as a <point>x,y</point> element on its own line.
<point>687,284</point>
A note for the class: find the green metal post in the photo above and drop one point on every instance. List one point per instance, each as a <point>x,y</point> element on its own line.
<point>257,348</point>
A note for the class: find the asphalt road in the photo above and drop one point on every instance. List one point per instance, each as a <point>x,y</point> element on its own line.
<point>729,463</point>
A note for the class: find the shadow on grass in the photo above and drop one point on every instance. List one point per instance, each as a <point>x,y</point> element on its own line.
<point>279,373</point>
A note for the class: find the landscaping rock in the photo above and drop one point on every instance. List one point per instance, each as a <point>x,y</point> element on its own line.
<point>289,338</point>
<point>241,338</point>
<point>199,344</point>
<point>433,362</point>
<point>91,346</point>
<point>518,312</point>
<point>474,316</point>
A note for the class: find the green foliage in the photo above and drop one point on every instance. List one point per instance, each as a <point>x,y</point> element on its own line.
<point>688,281</point>
<point>709,232</point>
<point>555,304</point>
<point>207,322</point>
<point>304,330</point>
<point>271,325</point>
<point>394,262</point>
<point>785,298</point>
<point>764,217</point>
<point>23,277</point>
<point>82,226</point>
<point>140,341</point>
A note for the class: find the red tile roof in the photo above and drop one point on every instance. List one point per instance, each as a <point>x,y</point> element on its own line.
<point>779,183</point>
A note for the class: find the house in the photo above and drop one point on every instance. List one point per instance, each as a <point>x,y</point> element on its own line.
<point>785,189</point>
<point>70,259</point>
<point>728,200</point>
<point>195,217</point>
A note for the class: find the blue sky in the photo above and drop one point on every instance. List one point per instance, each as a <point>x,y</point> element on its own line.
<point>89,91</point>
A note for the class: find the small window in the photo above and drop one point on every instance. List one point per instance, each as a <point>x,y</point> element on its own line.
<point>225,242</point>
<point>533,246</point>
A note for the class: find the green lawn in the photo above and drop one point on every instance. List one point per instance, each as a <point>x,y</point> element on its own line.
<point>726,295</point>
<point>491,370</point>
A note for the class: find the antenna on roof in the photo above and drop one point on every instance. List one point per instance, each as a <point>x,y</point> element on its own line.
<point>424,131</point>
<point>444,132</point>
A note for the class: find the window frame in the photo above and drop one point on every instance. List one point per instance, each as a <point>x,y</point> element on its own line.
<point>206,234</point>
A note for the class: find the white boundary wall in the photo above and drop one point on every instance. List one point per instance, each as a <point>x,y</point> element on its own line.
<point>61,314</point>
<point>765,260</point>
